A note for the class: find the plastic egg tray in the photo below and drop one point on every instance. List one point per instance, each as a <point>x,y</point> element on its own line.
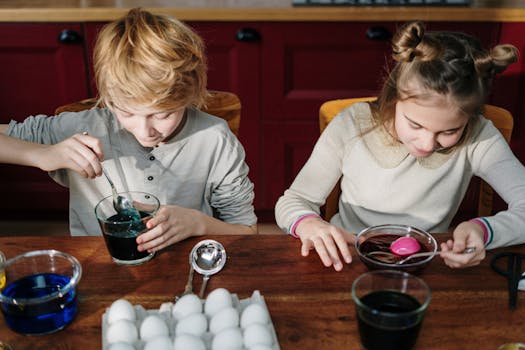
<point>165,312</point>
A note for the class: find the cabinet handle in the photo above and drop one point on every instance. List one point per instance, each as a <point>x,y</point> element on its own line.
<point>69,36</point>
<point>248,35</point>
<point>378,33</point>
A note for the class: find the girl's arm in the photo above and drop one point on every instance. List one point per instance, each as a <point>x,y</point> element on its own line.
<point>297,211</point>
<point>494,162</point>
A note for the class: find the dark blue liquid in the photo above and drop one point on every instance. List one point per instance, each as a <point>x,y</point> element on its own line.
<point>121,237</point>
<point>39,318</point>
<point>375,337</point>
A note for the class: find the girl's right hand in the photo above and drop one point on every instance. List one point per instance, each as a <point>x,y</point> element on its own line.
<point>80,153</point>
<point>328,240</point>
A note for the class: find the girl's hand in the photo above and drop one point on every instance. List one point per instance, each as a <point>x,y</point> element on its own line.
<point>170,225</point>
<point>466,234</point>
<point>328,240</point>
<point>80,153</point>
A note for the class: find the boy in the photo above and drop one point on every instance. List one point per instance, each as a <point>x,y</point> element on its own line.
<point>151,76</point>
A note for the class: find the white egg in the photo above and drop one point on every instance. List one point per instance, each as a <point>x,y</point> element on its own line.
<point>195,324</point>
<point>121,346</point>
<point>254,313</point>
<point>162,342</point>
<point>121,309</point>
<point>257,333</point>
<point>226,318</point>
<point>187,304</point>
<point>228,339</point>
<point>187,342</point>
<point>153,326</point>
<point>122,331</point>
<point>217,300</point>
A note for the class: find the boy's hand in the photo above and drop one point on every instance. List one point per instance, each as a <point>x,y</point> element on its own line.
<point>466,234</point>
<point>80,153</point>
<point>170,225</point>
<point>328,240</point>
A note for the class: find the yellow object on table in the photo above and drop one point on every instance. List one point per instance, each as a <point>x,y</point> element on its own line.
<point>2,273</point>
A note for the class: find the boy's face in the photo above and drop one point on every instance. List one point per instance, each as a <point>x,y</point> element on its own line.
<point>150,126</point>
<point>426,127</point>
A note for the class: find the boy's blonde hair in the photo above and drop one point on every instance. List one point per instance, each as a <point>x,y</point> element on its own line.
<point>150,60</point>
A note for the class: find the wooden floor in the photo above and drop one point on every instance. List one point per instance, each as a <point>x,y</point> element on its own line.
<point>49,228</point>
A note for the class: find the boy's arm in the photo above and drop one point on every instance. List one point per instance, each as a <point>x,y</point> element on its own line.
<point>16,151</point>
<point>213,226</point>
<point>80,153</point>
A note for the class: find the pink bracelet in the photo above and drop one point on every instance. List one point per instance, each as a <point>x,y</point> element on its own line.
<point>483,227</point>
<point>298,221</point>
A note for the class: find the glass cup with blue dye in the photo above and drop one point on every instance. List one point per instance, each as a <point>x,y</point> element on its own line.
<point>39,296</point>
<point>120,231</point>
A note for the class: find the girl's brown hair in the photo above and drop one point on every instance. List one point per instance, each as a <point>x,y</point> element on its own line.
<point>151,60</point>
<point>450,64</point>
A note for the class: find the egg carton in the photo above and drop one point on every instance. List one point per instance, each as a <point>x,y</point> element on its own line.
<point>165,312</point>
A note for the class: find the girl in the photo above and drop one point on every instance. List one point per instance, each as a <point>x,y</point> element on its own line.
<point>408,157</point>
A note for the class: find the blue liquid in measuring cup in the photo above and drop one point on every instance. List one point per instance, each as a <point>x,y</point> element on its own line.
<point>42,317</point>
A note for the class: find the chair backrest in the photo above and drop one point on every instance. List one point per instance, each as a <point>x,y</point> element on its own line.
<point>222,104</point>
<point>501,118</point>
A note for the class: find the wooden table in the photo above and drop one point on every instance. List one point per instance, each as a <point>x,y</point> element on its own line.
<point>310,305</point>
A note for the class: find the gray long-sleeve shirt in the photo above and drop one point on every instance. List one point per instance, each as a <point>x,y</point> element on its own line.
<point>383,184</point>
<point>202,167</point>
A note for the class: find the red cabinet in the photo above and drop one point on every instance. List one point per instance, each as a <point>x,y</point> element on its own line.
<point>41,66</point>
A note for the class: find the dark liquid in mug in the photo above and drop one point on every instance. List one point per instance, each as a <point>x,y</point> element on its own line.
<point>39,318</point>
<point>382,243</point>
<point>121,236</point>
<point>376,337</point>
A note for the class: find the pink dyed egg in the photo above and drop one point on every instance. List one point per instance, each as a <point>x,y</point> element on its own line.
<point>404,246</point>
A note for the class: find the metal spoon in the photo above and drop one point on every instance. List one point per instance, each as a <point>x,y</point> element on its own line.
<point>391,258</point>
<point>122,204</point>
<point>207,258</point>
<point>188,289</point>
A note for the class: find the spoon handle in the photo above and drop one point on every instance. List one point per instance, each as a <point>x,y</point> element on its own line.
<point>113,189</point>
<point>467,250</point>
<point>203,287</point>
<point>189,285</point>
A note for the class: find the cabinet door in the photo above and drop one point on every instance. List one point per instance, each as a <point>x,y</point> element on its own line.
<point>41,67</point>
<point>304,65</point>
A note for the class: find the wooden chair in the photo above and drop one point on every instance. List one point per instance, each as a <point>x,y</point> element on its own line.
<point>501,118</point>
<point>222,104</point>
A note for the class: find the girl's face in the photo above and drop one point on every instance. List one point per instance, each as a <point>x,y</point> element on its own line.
<point>428,126</point>
<point>150,126</point>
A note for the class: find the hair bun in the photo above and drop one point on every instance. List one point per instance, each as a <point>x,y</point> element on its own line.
<point>410,43</point>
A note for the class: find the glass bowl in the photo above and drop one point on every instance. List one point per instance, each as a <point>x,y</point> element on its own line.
<point>39,296</point>
<point>379,238</point>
